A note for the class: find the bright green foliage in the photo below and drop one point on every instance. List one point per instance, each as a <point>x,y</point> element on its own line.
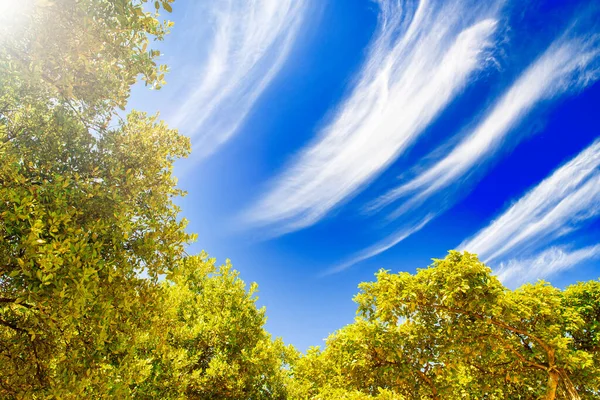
<point>81,217</point>
<point>335,373</point>
<point>211,339</point>
<point>453,331</point>
<point>82,212</point>
<point>584,300</point>
<point>86,210</point>
<point>86,53</point>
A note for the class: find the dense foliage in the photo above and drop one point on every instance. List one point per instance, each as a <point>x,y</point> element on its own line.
<point>212,341</point>
<point>98,298</point>
<point>88,225</point>
<point>454,331</point>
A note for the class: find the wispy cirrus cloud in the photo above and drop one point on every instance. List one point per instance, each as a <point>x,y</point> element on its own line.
<point>560,204</point>
<point>382,246</point>
<point>545,264</point>
<point>564,67</point>
<point>421,57</point>
<point>567,65</point>
<point>251,40</point>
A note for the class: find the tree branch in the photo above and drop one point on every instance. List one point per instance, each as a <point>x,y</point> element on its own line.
<point>6,300</point>
<point>13,326</point>
<point>494,321</point>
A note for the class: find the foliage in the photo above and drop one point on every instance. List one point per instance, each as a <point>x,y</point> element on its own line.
<point>85,53</point>
<point>88,225</point>
<point>82,216</point>
<point>453,331</point>
<point>211,340</point>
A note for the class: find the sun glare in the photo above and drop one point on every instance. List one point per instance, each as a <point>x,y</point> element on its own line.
<point>12,12</point>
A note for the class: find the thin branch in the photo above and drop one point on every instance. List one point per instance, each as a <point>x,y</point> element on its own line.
<point>13,326</point>
<point>14,301</point>
<point>519,355</point>
<point>494,321</point>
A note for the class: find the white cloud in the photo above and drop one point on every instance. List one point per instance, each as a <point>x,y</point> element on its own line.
<point>419,60</point>
<point>560,69</point>
<point>382,246</point>
<point>558,205</point>
<point>549,262</point>
<point>251,40</point>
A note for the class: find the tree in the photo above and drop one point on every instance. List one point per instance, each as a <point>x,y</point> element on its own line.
<point>454,331</point>
<point>83,55</point>
<point>211,339</point>
<point>98,298</point>
<point>584,299</point>
<point>79,225</point>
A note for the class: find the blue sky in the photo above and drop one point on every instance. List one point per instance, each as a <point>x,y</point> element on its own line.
<point>332,138</point>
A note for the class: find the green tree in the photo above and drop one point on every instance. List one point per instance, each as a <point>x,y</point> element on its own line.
<point>454,331</point>
<point>86,210</point>
<point>211,338</point>
<point>84,207</point>
<point>83,55</point>
<point>79,225</point>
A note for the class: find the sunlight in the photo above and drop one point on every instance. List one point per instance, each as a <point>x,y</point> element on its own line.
<point>13,11</point>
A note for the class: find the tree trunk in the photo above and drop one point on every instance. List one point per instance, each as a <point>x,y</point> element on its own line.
<point>553,378</point>
<point>571,391</point>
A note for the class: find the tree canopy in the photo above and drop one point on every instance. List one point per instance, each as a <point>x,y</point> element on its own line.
<point>88,225</point>
<point>454,331</point>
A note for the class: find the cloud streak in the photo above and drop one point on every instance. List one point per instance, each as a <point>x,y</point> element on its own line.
<point>421,57</point>
<point>547,263</point>
<point>559,205</point>
<point>379,248</point>
<point>564,67</point>
<point>560,69</point>
<point>251,40</point>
